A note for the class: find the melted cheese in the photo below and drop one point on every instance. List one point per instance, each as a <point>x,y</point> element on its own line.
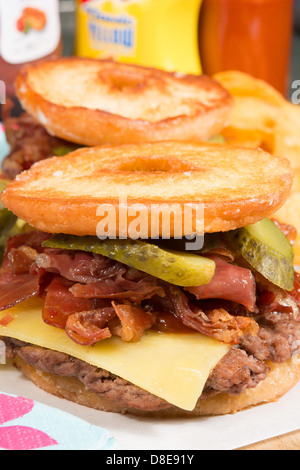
<point>174,367</point>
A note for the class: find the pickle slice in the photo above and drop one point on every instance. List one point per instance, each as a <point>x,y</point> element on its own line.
<point>7,222</point>
<point>3,183</point>
<point>7,218</point>
<point>62,150</point>
<point>266,248</point>
<point>182,269</point>
<point>217,139</point>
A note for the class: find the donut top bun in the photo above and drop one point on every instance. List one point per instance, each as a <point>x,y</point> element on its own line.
<point>237,186</point>
<point>94,102</point>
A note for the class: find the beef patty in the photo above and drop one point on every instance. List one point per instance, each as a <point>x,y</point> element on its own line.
<point>236,372</point>
<point>243,367</point>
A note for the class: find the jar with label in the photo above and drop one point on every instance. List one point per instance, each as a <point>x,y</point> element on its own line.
<point>252,36</point>
<point>30,31</point>
<point>162,34</point>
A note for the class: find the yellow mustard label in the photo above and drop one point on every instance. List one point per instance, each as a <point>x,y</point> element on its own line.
<point>154,33</point>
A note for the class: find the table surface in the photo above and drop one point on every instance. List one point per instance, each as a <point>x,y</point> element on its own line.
<point>289,441</point>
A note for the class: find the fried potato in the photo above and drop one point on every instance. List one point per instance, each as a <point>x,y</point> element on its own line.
<point>290,213</point>
<point>287,134</point>
<point>255,113</point>
<point>242,84</point>
<point>262,118</point>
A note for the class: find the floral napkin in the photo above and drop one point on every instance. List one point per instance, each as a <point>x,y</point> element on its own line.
<point>27,425</point>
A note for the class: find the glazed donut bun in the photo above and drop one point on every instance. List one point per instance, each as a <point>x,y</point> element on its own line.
<point>93,102</point>
<point>236,186</point>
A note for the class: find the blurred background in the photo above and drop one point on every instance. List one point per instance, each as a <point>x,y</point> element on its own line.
<point>295,73</point>
<point>260,37</point>
<point>68,19</point>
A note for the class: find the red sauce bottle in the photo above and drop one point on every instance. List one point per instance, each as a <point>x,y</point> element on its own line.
<point>30,31</point>
<point>252,36</point>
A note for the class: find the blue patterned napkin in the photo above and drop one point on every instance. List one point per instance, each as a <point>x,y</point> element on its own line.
<point>27,425</point>
<point>4,147</point>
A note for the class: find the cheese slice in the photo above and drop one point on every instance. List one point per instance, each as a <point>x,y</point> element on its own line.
<point>174,367</point>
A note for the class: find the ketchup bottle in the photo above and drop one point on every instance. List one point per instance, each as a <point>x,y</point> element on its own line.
<point>30,31</point>
<point>252,36</point>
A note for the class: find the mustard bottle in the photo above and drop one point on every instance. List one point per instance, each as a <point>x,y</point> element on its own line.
<point>161,34</point>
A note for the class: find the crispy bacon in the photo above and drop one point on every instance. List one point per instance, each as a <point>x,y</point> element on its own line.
<point>217,323</point>
<point>60,303</point>
<point>6,320</point>
<point>271,298</point>
<point>20,279</point>
<point>88,327</point>
<point>34,239</point>
<point>22,259</point>
<point>18,289</point>
<point>79,267</point>
<point>224,251</point>
<point>110,289</point>
<point>166,322</point>
<point>288,230</point>
<point>134,321</point>
<point>98,277</point>
<point>93,297</point>
<point>29,142</point>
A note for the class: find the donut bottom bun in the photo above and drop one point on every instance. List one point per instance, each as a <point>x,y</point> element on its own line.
<point>281,378</point>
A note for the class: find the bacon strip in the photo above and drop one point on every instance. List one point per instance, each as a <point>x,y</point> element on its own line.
<point>134,321</point>
<point>99,277</point>
<point>88,328</point>
<point>93,297</point>
<point>218,323</point>
<point>229,282</point>
<point>109,290</point>
<point>6,320</point>
<point>79,267</point>
<point>20,279</point>
<point>17,290</point>
<point>60,303</point>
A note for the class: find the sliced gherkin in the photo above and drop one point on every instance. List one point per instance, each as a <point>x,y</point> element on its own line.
<point>7,218</point>
<point>7,222</point>
<point>62,150</point>
<point>182,269</point>
<point>3,183</point>
<point>217,139</point>
<point>266,248</point>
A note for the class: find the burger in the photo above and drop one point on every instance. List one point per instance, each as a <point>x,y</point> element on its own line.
<point>98,308</point>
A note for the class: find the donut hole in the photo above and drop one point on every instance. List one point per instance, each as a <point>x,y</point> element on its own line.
<point>155,163</point>
<point>121,81</point>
